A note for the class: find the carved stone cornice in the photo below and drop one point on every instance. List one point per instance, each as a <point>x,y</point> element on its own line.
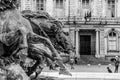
<point>97,29</point>
<point>77,30</point>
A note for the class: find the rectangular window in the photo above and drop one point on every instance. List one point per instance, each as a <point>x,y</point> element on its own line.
<point>112,41</point>
<point>85,3</point>
<point>112,45</point>
<point>86,8</point>
<point>41,5</point>
<point>111,8</point>
<point>59,9</point>
<point>59,4</point>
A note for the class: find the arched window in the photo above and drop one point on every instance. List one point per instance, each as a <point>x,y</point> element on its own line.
<point>112,41</point>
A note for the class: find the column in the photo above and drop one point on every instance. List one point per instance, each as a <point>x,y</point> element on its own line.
<point>106,14</point>
<point>54,9</point>
<point>119,44</point>
<point>31,5</point>
<point>81,13</point>
<point>116,8</point>
<point>77,43</point>
<point>102,43</point>
<point>105,44</point>
<point>97,43</point>
<point>44,4</point>
<point>64,8</point>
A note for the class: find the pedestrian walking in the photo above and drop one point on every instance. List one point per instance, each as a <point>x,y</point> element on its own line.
<point>76,61</point>
<point>72,63</point>
<point>116,62</point>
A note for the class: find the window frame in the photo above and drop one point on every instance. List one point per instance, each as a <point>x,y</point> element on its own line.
<point>112,40</point>
<point>39,4</point>
<point>85,4</point>
<point>110,4</point>
<point>59,4</point>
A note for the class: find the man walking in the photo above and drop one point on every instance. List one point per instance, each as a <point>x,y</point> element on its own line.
<point>116,64</point>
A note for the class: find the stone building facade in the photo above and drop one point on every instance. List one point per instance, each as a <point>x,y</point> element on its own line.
<point>97,34</point>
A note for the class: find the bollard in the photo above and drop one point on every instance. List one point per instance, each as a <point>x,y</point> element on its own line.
<point>99,65</point>
<point>88,65</point>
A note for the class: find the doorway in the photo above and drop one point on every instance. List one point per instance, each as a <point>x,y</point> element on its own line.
<point>85,44</point>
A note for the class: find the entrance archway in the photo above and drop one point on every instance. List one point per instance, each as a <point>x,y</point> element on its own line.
<point>85,44</point>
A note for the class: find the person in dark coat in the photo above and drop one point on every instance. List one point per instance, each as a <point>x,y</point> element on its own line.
<point>116,62</point>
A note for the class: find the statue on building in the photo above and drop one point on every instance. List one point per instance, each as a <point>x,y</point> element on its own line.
<point>19,42</point>
<point>87,16</point>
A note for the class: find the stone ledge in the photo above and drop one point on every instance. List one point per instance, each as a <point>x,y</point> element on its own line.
<point>47,78</point>
<point>84,75</point>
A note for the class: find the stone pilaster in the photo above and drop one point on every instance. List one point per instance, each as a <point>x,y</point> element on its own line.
<point>77,43</point>
<point>105,44</point>
<point>97,44</point>
<point>119,44</point>
<point>102,47</point>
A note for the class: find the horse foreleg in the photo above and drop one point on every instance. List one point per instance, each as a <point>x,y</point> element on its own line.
<point>33,68</point>
<point>63,69</point>
<point>38,72</point>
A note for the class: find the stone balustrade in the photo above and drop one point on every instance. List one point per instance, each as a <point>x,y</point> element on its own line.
<point>92,20</point>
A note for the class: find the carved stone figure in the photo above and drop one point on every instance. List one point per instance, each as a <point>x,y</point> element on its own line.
<point>46,26</point>
<point>19,41</point>
<point>50,28</point>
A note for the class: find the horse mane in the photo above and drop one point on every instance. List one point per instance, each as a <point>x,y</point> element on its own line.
<point>37,29</point>
<point>56,34</point>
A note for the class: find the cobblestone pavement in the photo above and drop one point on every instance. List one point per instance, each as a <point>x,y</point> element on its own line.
<point>86,72</point>
<point>87,68</point>
<point>85,75</point>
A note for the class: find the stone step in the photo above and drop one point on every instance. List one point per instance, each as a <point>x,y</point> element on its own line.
<point>89,59</point>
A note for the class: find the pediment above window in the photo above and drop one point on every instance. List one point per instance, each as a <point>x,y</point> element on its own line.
<point>112,31</point>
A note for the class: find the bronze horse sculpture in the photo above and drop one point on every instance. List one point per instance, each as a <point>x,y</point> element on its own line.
<point>16,30</point>
<point>53,32</point>
<point>46,26</point>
